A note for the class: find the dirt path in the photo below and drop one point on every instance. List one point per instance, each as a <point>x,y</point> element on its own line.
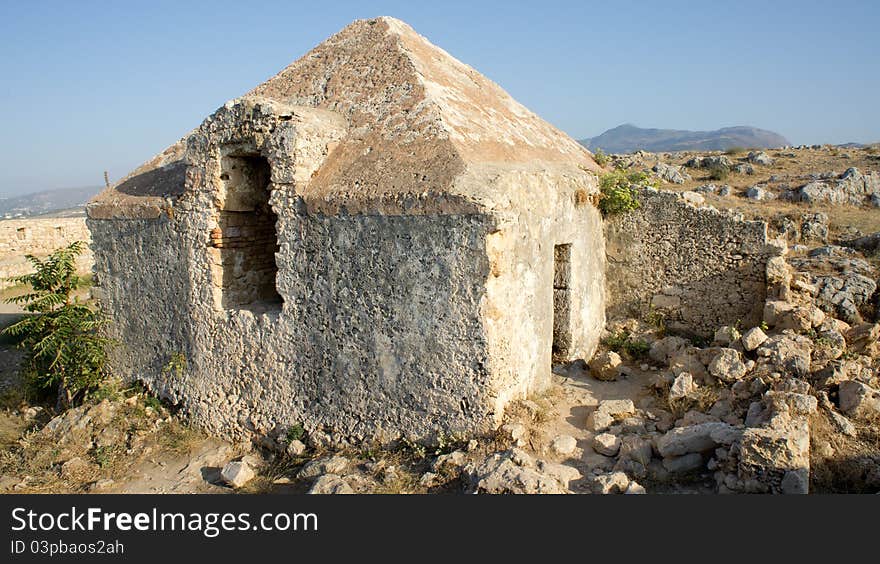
<point>179,473</point>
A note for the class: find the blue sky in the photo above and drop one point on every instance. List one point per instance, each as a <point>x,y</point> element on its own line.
<point>93,86</point>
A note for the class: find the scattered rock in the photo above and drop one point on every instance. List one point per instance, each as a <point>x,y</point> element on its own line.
<point>517,433</point>
<point>842,424</point>
<point>334,464</point>
<point>610,483</point>
<point>634,488</point>
<point>693,198</point>
<point>683,464</point>
<point>296,448</point>
<point>604,365</point>
<point>635,448</point>
<point>330,484</point>
<point>760,158</point>
<point>671,173</point>
<point>666,347</point>
<point>500,474</point>
<point>696,438</point>
<point>683,386</point>
<point>728,366</point>
<point>75,467</point>
<point>606,444</point>
<point>758,194</point>
<point>753,338</point>
<point>726,335</point>
<point>865,339</point>
<point>788,353</point>
<point>814,227</point>
<point>858,399</point>
<point>101,485</point>
<point>237,473</point>
<point>607,412</point>
<point>563,445</point>
<point>709,161</point>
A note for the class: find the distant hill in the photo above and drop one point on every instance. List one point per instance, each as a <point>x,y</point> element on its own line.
<point>47,201</point>
<point>628,138</point>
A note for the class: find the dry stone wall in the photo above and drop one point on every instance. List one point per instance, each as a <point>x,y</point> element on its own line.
<point>39,237</point>
<point>693,268</point>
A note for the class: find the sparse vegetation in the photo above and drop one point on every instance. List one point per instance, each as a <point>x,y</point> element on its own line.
<point>623,343</point>
<point>64,342</point>
<point>619,191</point>
<point>295,433</point>
<point>731,151</point>
<point>719,172</point>
<point>701,399</point>
<point>600,157</point>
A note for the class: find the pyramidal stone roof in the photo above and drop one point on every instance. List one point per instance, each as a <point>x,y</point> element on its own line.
<point>419,122</point>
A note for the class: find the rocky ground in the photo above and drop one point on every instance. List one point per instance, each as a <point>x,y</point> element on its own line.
<point>789,406</point>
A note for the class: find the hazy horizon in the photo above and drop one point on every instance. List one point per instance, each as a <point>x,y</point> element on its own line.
<point>94,87</point>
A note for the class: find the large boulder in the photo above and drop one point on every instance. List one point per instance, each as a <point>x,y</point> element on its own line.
<point>664,348</point>
<point>709,161</point>
<point>515,472</point>
<point>609,411</point>
<point>852,187</point>
<point>604,366</point>
<point>728,366</point>
<point>753,338</point>
<point>858,399</point>
<point>330,484</point>
<point>760,158</point>
<point>865,339</point>
<point>788,353</point>
<point>671,173</point>
<point>696,438</point>
<point>237,473</point>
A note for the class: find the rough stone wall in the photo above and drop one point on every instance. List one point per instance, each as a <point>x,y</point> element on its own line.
<point>423,316</point>
<point>379,330</point>
<point>39,237</point>
<point>695,268</point>
<point>145,286</point>
<point>518,311</point>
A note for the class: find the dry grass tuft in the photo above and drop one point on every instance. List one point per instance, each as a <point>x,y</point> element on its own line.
<point>854,467</point>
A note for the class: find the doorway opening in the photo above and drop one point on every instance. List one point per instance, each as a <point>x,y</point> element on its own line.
<point>561,302</point>
<point>245,241</point>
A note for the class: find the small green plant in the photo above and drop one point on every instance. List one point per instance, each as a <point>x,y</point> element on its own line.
<point>657,319</point>
<point>719,172</point>
<point>64,342</point>
<point>295,433</point>
<point>764,326</point>
<point>600,157</point>
<point>623,343</point>
<point>103,455</point>
<point>175,366</point>
<point>416,449</point>
<point>619,191</point>
<point>152,402</point>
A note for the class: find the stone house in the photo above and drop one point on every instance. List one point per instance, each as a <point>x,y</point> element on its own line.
<point>376,242</point>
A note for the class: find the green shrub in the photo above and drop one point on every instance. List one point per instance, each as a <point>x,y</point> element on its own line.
<point>719,172</point>
<point>600,157</point>
<point>63,339</point>
<point>295,433</point>
<point>734,151</point>
<point>619,191</point>
<point>623,343</point>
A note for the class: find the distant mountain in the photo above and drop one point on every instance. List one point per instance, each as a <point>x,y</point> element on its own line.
<point>628,138</point>
<point>47,201</point>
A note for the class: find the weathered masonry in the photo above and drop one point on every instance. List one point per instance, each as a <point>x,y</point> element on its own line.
<point>695,269</point>
<point>376,242</point>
